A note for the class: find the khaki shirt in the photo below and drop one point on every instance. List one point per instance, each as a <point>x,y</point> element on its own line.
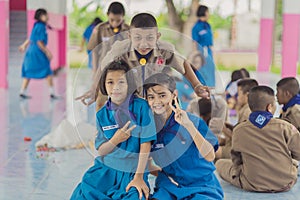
<point>103,38</point>
<point>103,32</point>
<point>263,158</point>
<point>292,115</point>
<point>163,55</point>
<point>243,113</point>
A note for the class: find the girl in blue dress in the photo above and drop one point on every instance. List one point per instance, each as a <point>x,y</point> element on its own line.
<point>36,64</point>
<point>203,43</point>
<point>126,129</point>
<point>185,147</point>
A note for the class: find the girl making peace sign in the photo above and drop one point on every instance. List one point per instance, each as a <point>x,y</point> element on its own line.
<point>126,129</point>
<point>185,147</point>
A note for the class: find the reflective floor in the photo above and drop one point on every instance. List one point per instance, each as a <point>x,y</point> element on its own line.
<point>25,174</point>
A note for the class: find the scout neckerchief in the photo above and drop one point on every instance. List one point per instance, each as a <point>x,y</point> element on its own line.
<point>260,118</point>
<point>143,59</point>
<point>117,29</point>
<point>122,113</point>
<point>295,100</point>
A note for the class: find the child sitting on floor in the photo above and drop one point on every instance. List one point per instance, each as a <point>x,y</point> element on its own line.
<point>288,95</point>
<point>244,111</point>
<point>263,148</point>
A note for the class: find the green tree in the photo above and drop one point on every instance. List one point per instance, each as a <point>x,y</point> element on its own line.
<point>82,17</point>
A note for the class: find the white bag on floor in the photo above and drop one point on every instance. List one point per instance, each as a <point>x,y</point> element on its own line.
<point>68,136</point>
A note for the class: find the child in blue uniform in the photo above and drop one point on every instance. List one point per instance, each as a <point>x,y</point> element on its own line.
<point>185,147</point>
<point>201,32</point>
<point>36,64</point>
<point>86,38</point>
<point>126,129</point>
<point>203,36</point>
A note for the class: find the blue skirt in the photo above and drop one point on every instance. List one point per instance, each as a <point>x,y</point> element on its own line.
<point>36,65</point>
<point>103,183</point>
<point>203,190</point>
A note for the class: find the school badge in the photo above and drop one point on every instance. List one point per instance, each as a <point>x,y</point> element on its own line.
<point>260,119</point>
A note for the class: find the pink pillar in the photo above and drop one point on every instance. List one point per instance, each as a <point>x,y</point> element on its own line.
<point>4,42</point>
<point>266,36</point>
<point>290,38</point>
<point>4,121</point>
<point>63,38</point>
<point>17,5</point>
<point>30,21</point>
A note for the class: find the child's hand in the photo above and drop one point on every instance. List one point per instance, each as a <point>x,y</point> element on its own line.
<point>181,116</point>
<point>49,55</point>
<point>89,95</point>
<point>202,91</point>
<point>140,185</point>
<point>22,48</point>
<point>123,133</point>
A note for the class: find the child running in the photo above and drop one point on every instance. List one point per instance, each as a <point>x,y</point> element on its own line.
<point>125,131</point>
<point>36,64</point>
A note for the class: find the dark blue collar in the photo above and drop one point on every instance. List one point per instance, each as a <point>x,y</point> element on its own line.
<point>292,102</point>
<point>260,118</point>
<point>121,110</point>
<point>170,127</point>
<point>139,56</point>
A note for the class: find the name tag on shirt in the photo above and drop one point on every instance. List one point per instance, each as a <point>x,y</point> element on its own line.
<point>159,146</point>
<point>106,128</point>
<point>202,32</point>
<point>104,39</point>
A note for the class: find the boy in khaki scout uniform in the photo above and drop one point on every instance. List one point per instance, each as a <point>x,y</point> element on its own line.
<point>288,95</point>
<point>244,86</point>
<point>144,52</point>
<point>102,36</point>
<point>263,148</point>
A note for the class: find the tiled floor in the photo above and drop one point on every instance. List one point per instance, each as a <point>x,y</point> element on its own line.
<point>24,174</point>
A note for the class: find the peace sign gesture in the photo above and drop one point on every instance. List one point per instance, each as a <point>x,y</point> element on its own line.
<point>181,116</point>
<point>123,133</point>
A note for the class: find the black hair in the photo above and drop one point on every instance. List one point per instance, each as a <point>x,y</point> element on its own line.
<point>289,84</point>
<point>143,20</point>
<point>116,66</point>
<point>247,84</point>
<point>116,8</point>
<point>160,79</point>
<point>39,12</point>
<point>96,21</point>
<point>205,108</point>
<point>260,97</point>
<point>236,75</point>
<point>245,73</point>
<point>201,12</point>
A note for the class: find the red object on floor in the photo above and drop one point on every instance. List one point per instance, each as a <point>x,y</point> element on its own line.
<point>27,139</point>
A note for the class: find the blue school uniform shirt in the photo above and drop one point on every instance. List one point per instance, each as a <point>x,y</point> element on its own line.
<point>39,33</point>
<point>184,91</point>
<point>202,33</point>
<point>87,35</point>
<point>88,32</point>
<point>125,156</point>
<point>178,155</point>
<point>36,64</point>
